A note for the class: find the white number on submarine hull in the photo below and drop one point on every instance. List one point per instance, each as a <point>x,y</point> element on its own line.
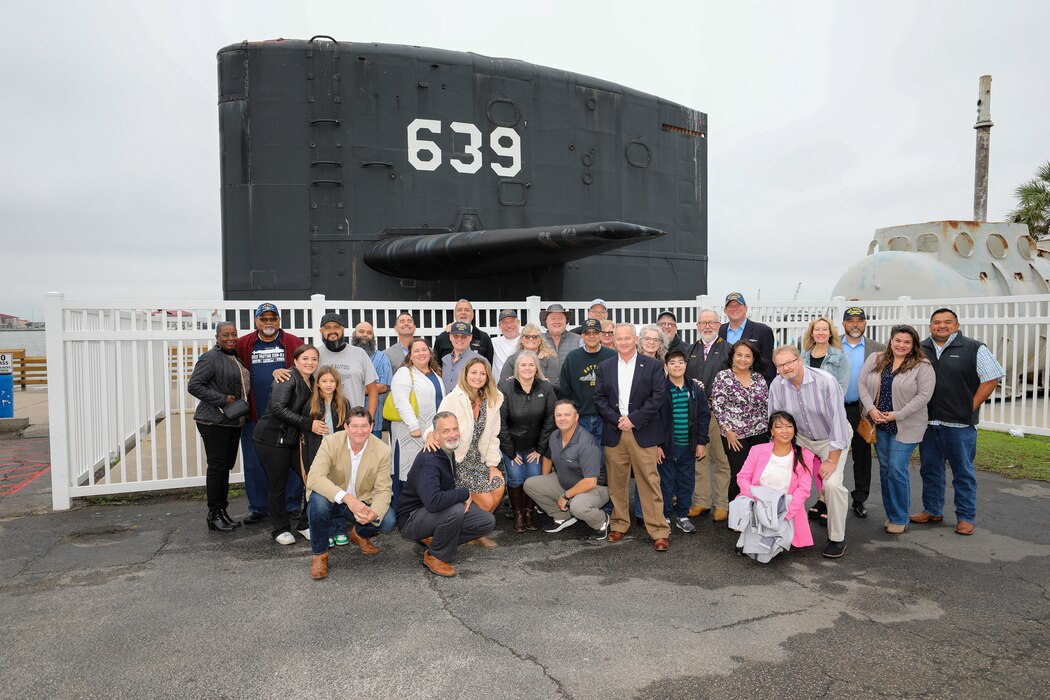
<point>503,141</point>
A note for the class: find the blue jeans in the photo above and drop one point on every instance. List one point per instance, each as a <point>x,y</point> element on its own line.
<point>257,486</point>
<point>893,473</point>
<point>957,446</point>
<point>677,479</point>
<point>518,473</point>
<point>324,513</point>
<point>397,486</point>
<point>593,425</point>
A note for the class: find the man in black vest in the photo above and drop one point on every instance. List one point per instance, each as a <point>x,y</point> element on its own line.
<point>707,357</point>
<point>967,373</point>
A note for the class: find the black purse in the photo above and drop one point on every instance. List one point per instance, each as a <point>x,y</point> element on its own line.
<point>240,407</point>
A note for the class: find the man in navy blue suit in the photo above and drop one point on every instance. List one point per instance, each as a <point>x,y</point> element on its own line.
<point>740,327</point>
<point>629,394</point>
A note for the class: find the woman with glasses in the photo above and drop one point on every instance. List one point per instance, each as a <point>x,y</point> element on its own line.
<point>740,402</point>
<point>895,386</point>
<point>532,339</point>
<point>608,331</point>
<point>652,342</point>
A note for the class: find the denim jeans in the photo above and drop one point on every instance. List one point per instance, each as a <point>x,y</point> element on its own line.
<point>677,479</point>
<point>593,425</point>
<point>518,473</point>
<point>957,446</point>
<point>893,473</point>
<point>324,514</point>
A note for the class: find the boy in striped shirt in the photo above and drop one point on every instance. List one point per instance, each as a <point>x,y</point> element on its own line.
<point>686,416</point>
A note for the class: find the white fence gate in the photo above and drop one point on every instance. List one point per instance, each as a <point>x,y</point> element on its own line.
<point>121,419</point>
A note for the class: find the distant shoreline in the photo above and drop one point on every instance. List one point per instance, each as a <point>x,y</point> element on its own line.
<point>20,330</point>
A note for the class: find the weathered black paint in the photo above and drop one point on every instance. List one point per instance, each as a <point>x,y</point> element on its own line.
<point>318,190</point>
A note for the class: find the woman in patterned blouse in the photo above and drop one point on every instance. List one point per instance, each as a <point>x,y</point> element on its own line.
<point>740,402</point>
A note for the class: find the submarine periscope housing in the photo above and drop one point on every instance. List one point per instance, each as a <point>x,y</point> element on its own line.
<point>372,171</point>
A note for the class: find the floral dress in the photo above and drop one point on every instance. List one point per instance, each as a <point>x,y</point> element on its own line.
<point>472,473</point>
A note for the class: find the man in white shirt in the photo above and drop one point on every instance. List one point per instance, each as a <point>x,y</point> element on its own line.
<point>503,346</point>
<point>349,479</point>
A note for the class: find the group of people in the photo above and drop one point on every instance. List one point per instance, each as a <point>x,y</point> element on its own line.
<point>563,421</point>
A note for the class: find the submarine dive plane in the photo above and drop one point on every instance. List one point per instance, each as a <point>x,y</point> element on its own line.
<point>373,171</point>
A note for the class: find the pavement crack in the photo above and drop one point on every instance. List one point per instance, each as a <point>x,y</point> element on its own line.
<point>527,658</point>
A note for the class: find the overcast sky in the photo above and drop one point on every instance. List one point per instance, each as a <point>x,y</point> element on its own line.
<point>826,121</point>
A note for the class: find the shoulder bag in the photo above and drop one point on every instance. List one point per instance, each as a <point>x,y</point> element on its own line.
<point>390,411</point>
<point>865,428</point>
<point>240,407</point>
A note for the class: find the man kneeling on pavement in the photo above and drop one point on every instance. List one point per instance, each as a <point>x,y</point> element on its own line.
<point>431,510</point>
<point>349,478</point>
<point>577,489</point>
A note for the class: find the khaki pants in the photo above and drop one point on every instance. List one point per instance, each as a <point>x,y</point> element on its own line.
<point>836,495</point>
<point>619,462</point>
<point>546,489</point>
<point>715,463</point>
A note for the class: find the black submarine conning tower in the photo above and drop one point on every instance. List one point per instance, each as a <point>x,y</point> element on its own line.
<point>387,172</point>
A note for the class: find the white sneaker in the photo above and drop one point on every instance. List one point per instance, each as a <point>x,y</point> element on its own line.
<point>285,538</point>
<point>305,533</point>
<point>560,525</point>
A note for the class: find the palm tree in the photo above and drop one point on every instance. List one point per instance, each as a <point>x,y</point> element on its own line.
<point>1033,203</point>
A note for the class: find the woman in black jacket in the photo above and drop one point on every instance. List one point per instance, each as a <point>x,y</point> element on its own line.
<point>526,424</point>
<point>219,380</point>
<point>277,434</point>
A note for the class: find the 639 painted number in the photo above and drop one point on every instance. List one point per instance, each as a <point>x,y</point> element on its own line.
<point>503,141</point>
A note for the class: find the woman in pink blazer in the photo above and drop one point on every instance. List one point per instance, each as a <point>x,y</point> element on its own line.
<point>783,465</point>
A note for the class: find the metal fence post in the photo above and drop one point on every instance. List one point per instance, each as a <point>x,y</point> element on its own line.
<point>58,425</point>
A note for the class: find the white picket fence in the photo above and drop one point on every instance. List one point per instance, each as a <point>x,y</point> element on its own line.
<point>121,419</point>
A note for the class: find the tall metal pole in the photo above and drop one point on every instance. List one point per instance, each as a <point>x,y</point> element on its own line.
<point>984,133</point>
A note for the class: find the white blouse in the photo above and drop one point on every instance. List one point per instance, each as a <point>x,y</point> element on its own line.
<point>777,474</point>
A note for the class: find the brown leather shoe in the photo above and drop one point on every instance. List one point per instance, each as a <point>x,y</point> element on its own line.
<point>437,566</point>
<point>925,517</point>
<point>484,542</point>
<point>363,543</point>
<point>319,567</point>
<point>426,541</point>
<point>660,544</point>
<point>964,528</point>
<point>721,515</point>
<point>615,536</point>
<point>697,511</point>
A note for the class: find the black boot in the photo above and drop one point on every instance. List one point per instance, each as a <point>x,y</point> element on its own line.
<point>215,522</point>
<point>517,499</point>
<point>227,519</point>
<point>529,507</point>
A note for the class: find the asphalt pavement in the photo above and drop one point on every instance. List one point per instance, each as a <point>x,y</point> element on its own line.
<point>141,600</point>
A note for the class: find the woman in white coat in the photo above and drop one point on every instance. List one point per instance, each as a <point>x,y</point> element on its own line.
<point>420,376</point>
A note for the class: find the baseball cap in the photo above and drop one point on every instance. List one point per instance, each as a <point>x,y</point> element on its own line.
<point>854,311</point>
<point>264,307</point>
<point>333,318</point>
<point>460,328</point>
<point>507,313</point>
<point>596,302</point>
<point>591,324</point>
<point>668,314</point>
<point>737,297</point>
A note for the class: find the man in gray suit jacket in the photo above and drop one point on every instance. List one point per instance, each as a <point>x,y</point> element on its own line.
<point>858,348</point>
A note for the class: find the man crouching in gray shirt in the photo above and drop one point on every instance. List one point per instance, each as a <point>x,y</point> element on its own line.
<point>577,490</point>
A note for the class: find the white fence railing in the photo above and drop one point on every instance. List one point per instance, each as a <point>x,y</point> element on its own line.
<point>121,419</point>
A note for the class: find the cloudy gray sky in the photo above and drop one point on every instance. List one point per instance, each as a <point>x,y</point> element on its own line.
<point>826,121</point>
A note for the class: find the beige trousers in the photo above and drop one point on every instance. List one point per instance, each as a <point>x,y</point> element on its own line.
<point>717,464</point>
<point>836,495</point>
<point>619,462</point>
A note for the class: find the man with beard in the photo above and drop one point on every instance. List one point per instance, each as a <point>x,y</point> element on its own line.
<point>857,348</point>
<point>706,358</point>
<point>432,510</point>
<point>263,351</point>
<point>480,342</point>
<point>364,337</point>
<point>355,367</point>
<point>668,323</point>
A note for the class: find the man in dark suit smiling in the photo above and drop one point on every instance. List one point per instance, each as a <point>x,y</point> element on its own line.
<point>629,393</point>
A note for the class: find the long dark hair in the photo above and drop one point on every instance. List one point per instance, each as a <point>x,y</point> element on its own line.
<point>796,448</point>
<point>758,363</point>
<point>434,365</point>
<point>913,359</point>
<point>339,404</point>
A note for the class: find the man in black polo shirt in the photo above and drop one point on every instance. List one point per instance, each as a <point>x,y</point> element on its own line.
<point>577,489</point>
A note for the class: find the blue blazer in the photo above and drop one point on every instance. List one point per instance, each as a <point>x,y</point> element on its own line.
<point>761,335</point>
<point>648,393</point>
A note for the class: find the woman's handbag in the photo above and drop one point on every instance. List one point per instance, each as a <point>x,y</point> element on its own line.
<point>865,428</point>
<point>233,411</point>
<point>390,411</point>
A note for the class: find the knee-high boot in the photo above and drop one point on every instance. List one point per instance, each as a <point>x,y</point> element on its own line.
<point>529,506</point>
<point>517,501</point>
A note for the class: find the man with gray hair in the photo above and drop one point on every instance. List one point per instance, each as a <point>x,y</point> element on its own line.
<point>480,342</point>
<point>432,510</point>
<point>707,357</point>
<point>814,398</point>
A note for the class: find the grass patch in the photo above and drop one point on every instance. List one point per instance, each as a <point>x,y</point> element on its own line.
<point>1013,457</point>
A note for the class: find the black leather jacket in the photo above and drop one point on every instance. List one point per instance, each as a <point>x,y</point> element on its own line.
<point>284,418</point>
<point>216,376</point>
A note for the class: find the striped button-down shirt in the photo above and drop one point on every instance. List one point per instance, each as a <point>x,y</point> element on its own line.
<point>817,407</point>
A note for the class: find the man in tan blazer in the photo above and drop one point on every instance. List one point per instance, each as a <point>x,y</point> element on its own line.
<point>349,478</point>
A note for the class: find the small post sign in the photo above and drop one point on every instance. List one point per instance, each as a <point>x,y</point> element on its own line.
<point>7,386</point>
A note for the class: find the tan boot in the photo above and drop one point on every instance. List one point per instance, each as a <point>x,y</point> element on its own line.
<point>319,567</point>
<point>697,511</point>
<point>721,515</point>
<point>484,542</point>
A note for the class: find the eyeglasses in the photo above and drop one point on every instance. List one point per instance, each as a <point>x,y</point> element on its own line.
<point>608,332</point>
<point>651,340</point>
<point>268,319</point>
<point>787,364</point>
<point>708,323</point>
<point>665,324</point>
<point>530,337</point>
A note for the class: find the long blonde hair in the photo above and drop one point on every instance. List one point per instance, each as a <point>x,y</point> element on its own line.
<point>545,348</point>
<point>317,397</point>
<point>834,340</point>
<point>487,393</point>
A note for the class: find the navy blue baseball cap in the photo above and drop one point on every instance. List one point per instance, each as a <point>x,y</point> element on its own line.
<point>460,328</point>
<point>267,306</point>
